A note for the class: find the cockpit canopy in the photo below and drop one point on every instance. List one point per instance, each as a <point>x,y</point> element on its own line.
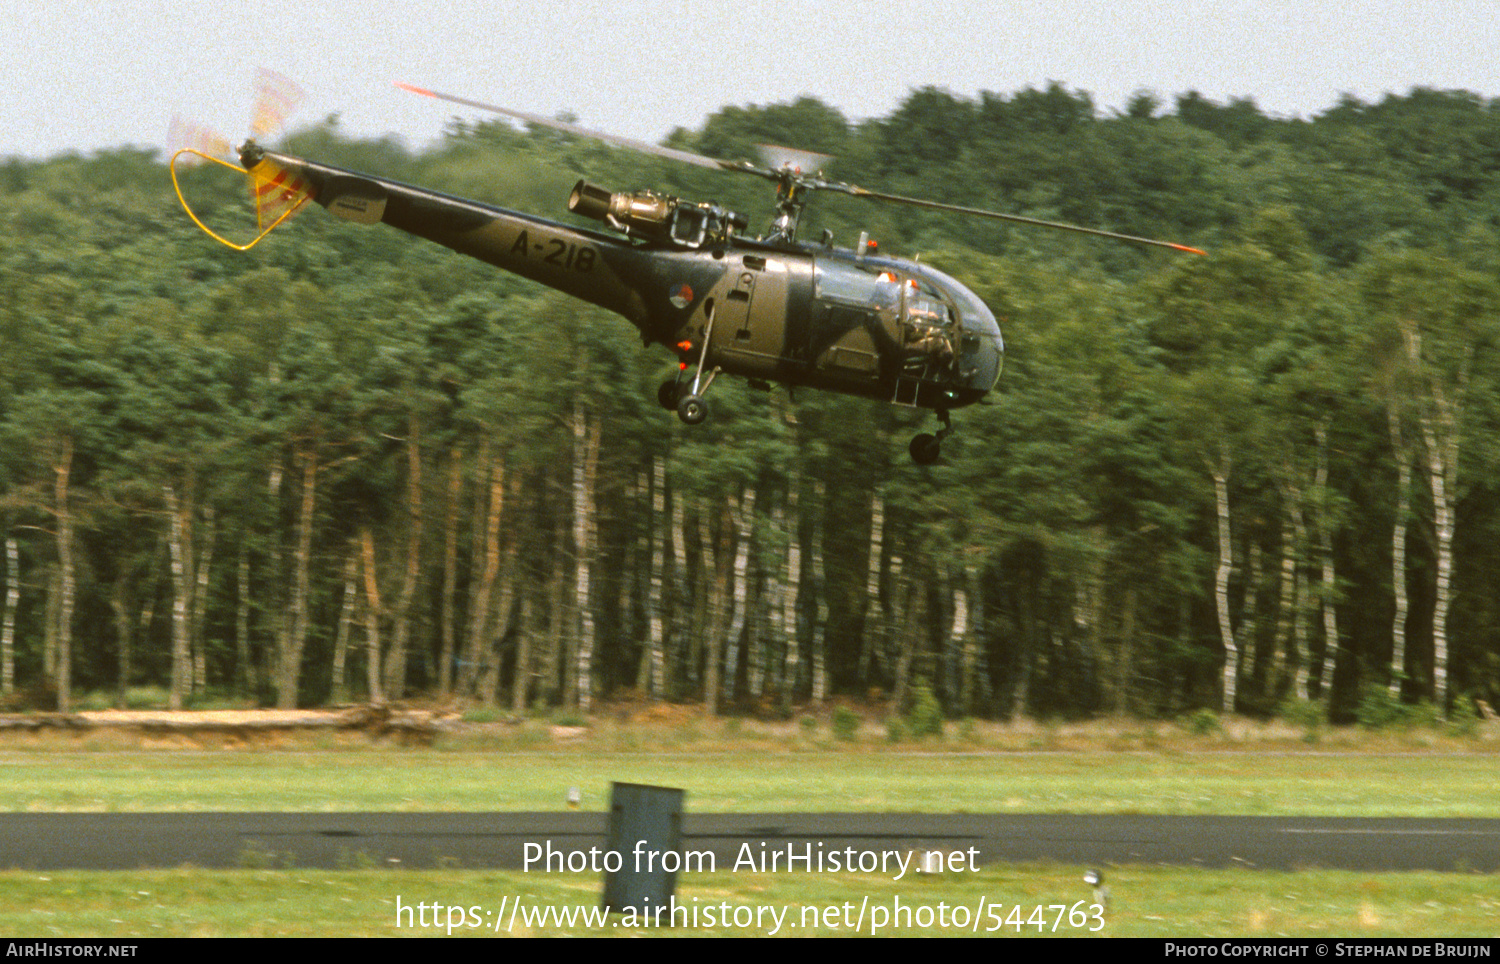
<point>922,308</point>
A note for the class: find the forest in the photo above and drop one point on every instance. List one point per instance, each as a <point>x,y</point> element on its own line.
<point>350,465</point>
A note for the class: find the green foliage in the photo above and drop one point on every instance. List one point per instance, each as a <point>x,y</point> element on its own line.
<point>398,384</point>
<point>925,718</point>
<point>1463,718</point>
<point>1379,709</point>
<point>845,723</point>
<point>1311,715</point>
<point>1202,722</point>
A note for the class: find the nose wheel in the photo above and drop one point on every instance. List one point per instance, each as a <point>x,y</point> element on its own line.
<point>686,399</point>
<point>926,448</point>
<point>692,409</point>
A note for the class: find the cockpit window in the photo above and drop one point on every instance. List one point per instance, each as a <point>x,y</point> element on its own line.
<point>881,287</point>
<point>838,281</point>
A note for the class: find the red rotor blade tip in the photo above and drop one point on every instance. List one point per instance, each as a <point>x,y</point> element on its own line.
<point>415,90</point>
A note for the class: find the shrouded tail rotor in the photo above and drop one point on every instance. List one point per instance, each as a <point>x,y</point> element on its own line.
<point>275,193</point>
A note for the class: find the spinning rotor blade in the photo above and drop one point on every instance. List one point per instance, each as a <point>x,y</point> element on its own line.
<point>996,215</point>
<point>276,193</point>
<point>202,141</point>
<point>669,153</point>
<point>275,98</point>
<point>777,157</point>
<point>787,166</point>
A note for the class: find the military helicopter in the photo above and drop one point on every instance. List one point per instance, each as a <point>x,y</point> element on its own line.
<point>768,309</point>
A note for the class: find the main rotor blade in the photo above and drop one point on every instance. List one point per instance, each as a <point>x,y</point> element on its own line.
<point>670,153</point>
<point>1013,218</point>
<point>778,158</point>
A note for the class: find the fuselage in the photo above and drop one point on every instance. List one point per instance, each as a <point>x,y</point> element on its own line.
<point>796,313</point>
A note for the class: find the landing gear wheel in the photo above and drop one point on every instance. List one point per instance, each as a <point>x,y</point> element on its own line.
<point>692,409</point>
<point>666,396</point>
<point>925,449</point>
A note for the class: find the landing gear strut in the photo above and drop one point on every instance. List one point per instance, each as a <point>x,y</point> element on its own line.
<point>926,448</point>
<point>688,402</point>
<point>690,406</point>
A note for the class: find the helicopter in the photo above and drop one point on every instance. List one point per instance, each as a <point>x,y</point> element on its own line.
<point>770,309</point>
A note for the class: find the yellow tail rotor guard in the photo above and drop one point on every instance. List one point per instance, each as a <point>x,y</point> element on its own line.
<point>257,182</point>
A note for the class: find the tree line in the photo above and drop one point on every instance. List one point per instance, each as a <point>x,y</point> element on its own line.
<point>349,465</point>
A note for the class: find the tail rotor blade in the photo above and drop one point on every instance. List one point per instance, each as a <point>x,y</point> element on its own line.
<point>199,139</point>
<point>275,99</point>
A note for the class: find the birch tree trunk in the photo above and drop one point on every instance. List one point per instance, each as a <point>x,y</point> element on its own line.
<point>1221,581</point>
<point>1439,471</point>
<point>181,554</point>
<point>1440,420</point>
<point>792,663</point>
<point>1297,643</point>
<point>682,603</point>
<point>346,618</point>
<point>872,642</point>
<point>201,571</point>
<point>651,680</point>
<point>1286,602</point>
<point>585,472</point>
<point>1325,550</point>
<point>820,599</point>
<point>1398,552</point>
<point>8,624</point>
<point>962,638</point>
<point>1250,614</point>
<point>62,469</point>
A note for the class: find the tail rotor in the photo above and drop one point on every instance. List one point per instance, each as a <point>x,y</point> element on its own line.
<point>275,193</point>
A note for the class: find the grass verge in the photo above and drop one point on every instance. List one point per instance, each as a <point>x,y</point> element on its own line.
<point>385,779</point>
<point>1004,901</point>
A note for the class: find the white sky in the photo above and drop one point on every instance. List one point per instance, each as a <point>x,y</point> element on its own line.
<point>85,76</point>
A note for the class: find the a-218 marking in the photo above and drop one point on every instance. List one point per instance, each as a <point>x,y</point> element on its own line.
<point>579,257</point>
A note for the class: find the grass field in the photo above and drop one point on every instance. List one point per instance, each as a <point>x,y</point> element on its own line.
<point>728,767</point>
<point>1144,902</point>
<point>732,767</point>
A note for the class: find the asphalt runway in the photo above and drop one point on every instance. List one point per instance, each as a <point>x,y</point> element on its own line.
<point>108,841</point>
